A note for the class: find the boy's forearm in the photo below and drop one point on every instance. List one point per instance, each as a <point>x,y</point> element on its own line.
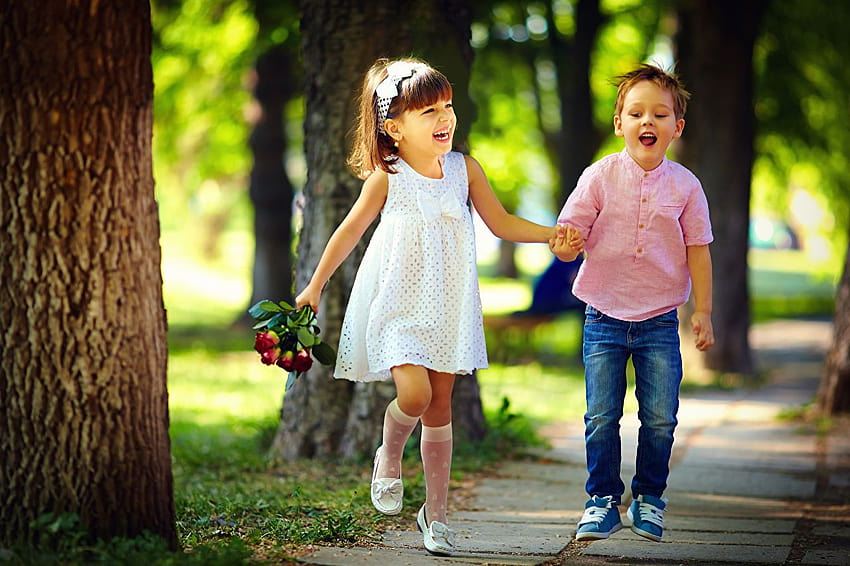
<point>699,265</point>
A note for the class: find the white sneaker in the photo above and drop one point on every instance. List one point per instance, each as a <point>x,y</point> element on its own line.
<point>387,493</point>
<point>438,537</point>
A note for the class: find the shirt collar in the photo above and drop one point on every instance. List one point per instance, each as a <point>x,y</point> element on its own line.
<point>633,166</point>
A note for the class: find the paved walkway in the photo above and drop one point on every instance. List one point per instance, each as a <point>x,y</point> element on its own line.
<point>745,486</point>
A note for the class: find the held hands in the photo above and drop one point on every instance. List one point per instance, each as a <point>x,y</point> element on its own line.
<point>567,243</point>
<point>703,330</point>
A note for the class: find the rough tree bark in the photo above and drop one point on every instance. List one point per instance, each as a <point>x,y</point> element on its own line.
<point>834,392</point>
<point>716,61</point>
<point>322,416</point>
<point>84,425</point>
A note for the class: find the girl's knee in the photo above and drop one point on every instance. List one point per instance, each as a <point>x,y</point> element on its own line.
<point>414,403</point>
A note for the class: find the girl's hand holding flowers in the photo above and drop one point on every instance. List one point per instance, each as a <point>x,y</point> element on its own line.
<point>289,338</point>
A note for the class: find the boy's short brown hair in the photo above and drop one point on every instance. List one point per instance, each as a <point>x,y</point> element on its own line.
<point>665,79</point>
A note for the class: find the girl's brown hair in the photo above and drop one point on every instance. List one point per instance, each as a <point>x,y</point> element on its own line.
<point>374,149</point>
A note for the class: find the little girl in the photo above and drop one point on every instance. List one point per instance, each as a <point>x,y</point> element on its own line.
<point>415,311</point>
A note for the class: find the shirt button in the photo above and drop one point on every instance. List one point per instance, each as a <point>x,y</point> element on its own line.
<point>643,200</point>
<point>646,174</point>
<point>640,225</point>
<point>640,250</point>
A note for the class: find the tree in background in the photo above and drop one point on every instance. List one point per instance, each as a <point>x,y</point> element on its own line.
<point>276,81</point>
<point>82,383</point>
<point>803,113</point>
<point>322,416</point>
<point>716,60</point>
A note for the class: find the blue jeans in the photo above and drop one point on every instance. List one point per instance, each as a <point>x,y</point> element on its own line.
<point>653,345</point>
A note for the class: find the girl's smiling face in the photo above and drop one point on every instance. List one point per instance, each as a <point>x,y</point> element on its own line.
<point>648,123</point>
<point>424,132</point>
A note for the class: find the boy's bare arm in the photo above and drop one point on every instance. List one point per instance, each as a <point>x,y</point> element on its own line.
<point>699,265</point>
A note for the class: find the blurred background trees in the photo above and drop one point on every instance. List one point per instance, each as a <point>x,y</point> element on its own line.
<point>765,131</point>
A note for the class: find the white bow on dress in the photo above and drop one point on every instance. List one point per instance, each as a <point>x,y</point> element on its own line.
<point>433,207</point>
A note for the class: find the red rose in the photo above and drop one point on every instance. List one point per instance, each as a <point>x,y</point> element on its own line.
<point>287,361</point>
<point>265,341</point>
<point>270,356</point>
<point>303,361</point>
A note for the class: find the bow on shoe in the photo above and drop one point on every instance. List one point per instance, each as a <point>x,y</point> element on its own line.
<point>442,531</point>
<point>393,488</point>
<point>433,207</point>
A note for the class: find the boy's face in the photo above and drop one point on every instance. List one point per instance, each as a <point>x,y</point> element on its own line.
<point>648,123</point>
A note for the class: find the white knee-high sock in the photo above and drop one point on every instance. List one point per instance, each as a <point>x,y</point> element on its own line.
<point>436,448</point>
<point>398,426</point>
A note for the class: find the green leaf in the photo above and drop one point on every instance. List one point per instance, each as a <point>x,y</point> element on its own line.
<point>263,309</point>
<point>262,324</point>
<point>290,380</point>
<point>306,337</point>
<point>324,353</point>
<point>277,320</point>
<point>303,315</point>
<point>286,306</point>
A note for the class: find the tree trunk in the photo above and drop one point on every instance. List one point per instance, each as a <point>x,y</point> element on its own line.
<point>716,54</point>
<point>834,391</point>
<point>579,138</point>
<point>270,189</point>
<point>83,380</point>
<point>322,416</point>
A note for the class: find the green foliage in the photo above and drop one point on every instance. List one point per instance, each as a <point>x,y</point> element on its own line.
<point>202,52</point>
<point>803,112</point>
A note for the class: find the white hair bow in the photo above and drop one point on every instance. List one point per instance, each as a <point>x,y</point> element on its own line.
<point>388,89</point>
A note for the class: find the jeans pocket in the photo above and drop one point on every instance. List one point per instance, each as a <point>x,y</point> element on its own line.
<point>667,320</point>
<point>592,316</point>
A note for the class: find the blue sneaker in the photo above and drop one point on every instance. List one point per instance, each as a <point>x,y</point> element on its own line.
<point>601,519</point>
<point>647,515</point>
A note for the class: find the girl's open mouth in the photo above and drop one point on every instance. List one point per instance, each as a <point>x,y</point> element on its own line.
<point>442,136</point>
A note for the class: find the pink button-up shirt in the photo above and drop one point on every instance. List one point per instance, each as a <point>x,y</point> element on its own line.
<point>637,225</point>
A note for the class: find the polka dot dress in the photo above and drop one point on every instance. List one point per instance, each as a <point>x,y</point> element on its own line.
<point>415,298</point>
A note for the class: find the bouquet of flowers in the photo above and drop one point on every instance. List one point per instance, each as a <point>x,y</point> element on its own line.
<point>289,338</point>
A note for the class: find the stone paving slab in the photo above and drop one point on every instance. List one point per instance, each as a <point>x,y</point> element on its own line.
<point>749,483</point>
<point>729,525</point>
<point>518,494</point>
<point>568,517</point>
<point>494,538</point>
<point>327,556</point>
<point>827,557</point>
<point>731,553</point>
<point>687,503</point>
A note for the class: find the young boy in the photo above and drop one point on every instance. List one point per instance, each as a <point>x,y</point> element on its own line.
<point>644,224</point>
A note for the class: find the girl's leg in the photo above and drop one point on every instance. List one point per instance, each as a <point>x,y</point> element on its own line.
<point>436,446</point>
<point>414,395</point>
<point>398,426</point>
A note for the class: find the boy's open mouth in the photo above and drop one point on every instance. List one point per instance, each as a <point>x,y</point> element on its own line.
<point>442,135</point>
<point>648,139</point>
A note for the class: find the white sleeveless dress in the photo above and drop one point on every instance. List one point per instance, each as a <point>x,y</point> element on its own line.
<point>415,298</point>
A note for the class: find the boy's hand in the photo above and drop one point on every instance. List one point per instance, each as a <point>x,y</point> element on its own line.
<point>567,243</point>
<point>703,330</point>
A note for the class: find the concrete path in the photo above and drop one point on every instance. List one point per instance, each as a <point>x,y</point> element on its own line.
<point>745,488</point>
